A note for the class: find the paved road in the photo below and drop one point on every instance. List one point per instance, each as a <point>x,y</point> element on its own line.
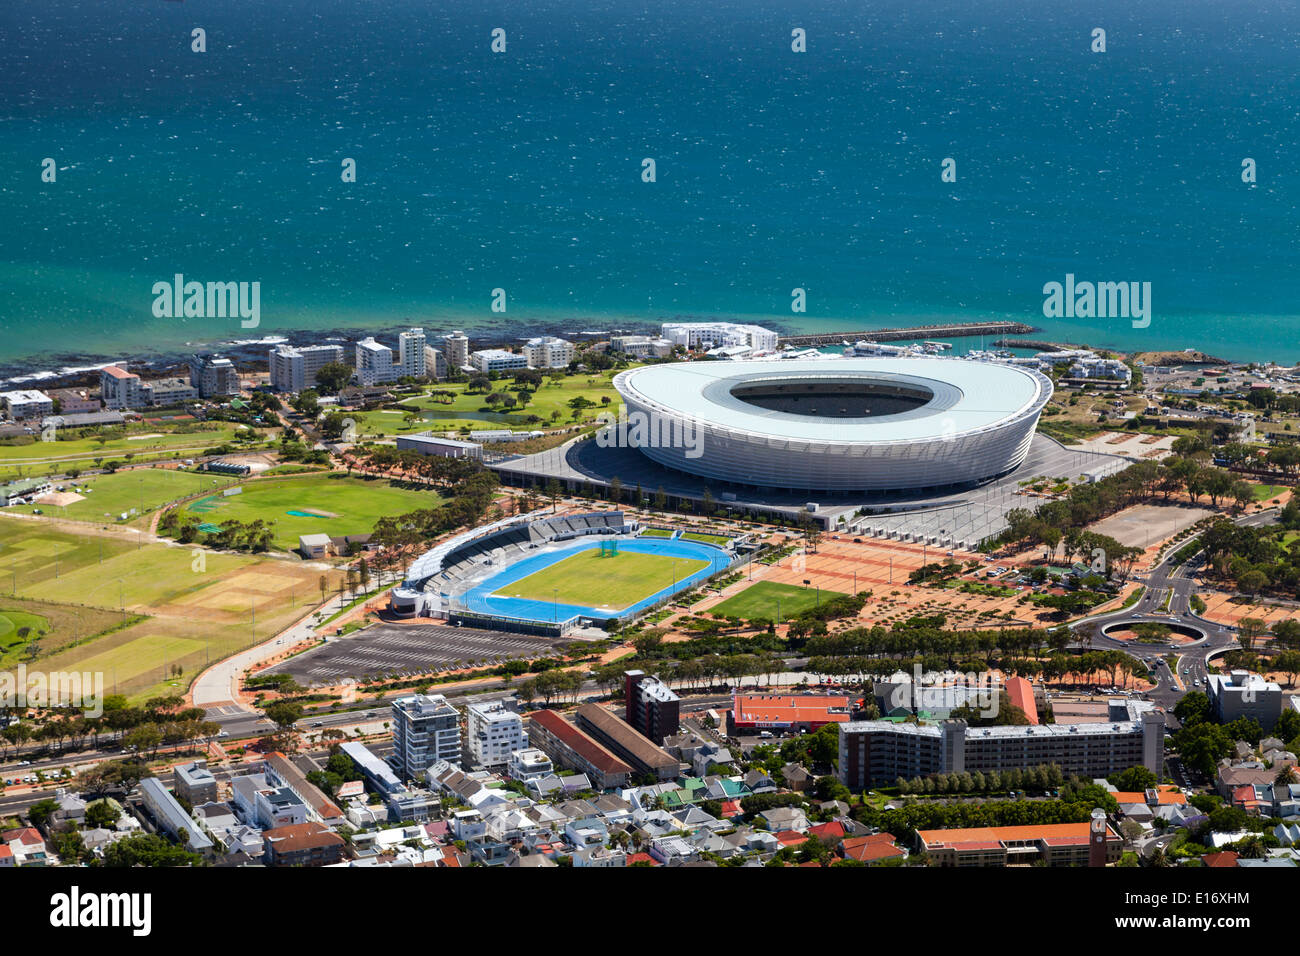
<point>1176,583</point>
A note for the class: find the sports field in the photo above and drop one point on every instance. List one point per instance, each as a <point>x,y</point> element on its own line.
<point>57,457</point>
<point>198,606</point>
<point>613,582</point>
<point>759,601</point>
<point>12,621</point>
<point>107,497</point>
<point>576,581</point>
<point>312,504</point>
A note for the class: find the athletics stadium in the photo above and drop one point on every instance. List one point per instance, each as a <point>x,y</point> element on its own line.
<point>546,575</point>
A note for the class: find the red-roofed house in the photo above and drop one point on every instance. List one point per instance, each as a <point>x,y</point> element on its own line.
<point>28,846</point>
<point>787,712</point>
<point>791,838</point>
<point>731,809</point>
<point>6,856</point>
<point>1226,858</point>
<point>643,858</point>
<point>869,849</point>
<point>828,832</point>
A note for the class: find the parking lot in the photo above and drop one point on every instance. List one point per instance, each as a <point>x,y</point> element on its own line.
<point>391,649</point>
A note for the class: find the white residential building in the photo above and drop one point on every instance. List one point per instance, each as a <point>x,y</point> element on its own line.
<point>547,351</point>
<point>426,729</point>
<point>26,403</point>
<point>493,731</point>
<point>410,351</point>
<point>488,361</point>
<point>529,764</point>
<point>214,376</point>
<point>435,363</point>
<point>295,369</point>
<point>710,335</point>
<point>120,389</point>
<point>374,363</point>
<point>455,349</point>
<point>641,346</point>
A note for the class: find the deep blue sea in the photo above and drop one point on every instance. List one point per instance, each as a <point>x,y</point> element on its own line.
<point>522,170</point>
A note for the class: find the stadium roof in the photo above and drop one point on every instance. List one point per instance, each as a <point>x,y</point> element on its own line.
<point>966,396</point>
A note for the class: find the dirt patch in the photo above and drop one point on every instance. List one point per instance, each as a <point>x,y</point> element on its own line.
<point>60,499</point>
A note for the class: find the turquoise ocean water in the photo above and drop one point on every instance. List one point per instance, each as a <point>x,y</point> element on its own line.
<point>522,170</point>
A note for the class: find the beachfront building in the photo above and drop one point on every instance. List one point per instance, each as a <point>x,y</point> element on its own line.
<point>294,369</point>
<point>712,335</point>
<point>214,376</point>
<point>455,349</point>
<point>26,403</point>
<point>488,361</point>
<point>166,392</point>
<point>374,363</point>
<point>548,351</point>
<point>120,389</point>
<point>410,353</point>
<point>641,346</point>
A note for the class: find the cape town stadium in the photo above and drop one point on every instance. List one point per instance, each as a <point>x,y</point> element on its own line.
<point>853,424</point>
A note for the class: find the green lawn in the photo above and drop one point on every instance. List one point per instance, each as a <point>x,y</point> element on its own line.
<point>106,497</point>
<point>12,621</point>
<point>759,601</point>
<point>335,504</point>
<point>143,442</point>
<point>718,539</point>
<point>472,410</point>
<point>197,606</point>
<point>616,582</point>
<point>656,533</point>
<point>1265,492</point>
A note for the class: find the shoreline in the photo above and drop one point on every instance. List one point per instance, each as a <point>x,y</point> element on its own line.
<point>64,370</point>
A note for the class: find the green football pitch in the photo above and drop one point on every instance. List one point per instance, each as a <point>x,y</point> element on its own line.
<point>615,582</point>
<point>759,601</point>
<point>318,504</point>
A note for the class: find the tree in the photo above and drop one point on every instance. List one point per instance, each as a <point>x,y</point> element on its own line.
<point>101,813</point>
<point>41,812</point>
<point>284,714</point>
<point>333,376</point>
<point>147,849</point>
<point>1134,779</point>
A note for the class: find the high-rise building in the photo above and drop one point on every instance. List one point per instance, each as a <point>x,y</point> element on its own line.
<point>120,389</point>
<point>214,376</point>
<point>651,707</point>
<point>435,363</point>
<point>426,729</point>
<point>375,363</point>
<point>455,348</point>
<point>410,350</point>
<point>294,369</point>
<point>492,731</point>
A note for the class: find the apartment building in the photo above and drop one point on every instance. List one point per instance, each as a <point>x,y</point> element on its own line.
<point>650,706</point>
<point>493,730</point>
<point>875,752</point>
<point>374,363</point>
<point>712,335</point>
<point>214,376</point>
<point>295,369</point>
<point>426,729</point>
<point>1243,694</point>
<point>410,354</point>
<point>1055,844</point>
<point>26,403</point>
<point>488,361</point>
<point>569,747</point>
<point>633,748</point>
<point>548,351</point>
<point>120,389</point>
<point>455,349</point>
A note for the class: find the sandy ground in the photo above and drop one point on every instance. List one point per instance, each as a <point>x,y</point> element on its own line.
<point>60,499</point>
<point>1146,525</point>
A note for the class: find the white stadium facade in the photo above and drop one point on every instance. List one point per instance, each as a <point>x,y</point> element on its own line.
<point>852,424</point>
